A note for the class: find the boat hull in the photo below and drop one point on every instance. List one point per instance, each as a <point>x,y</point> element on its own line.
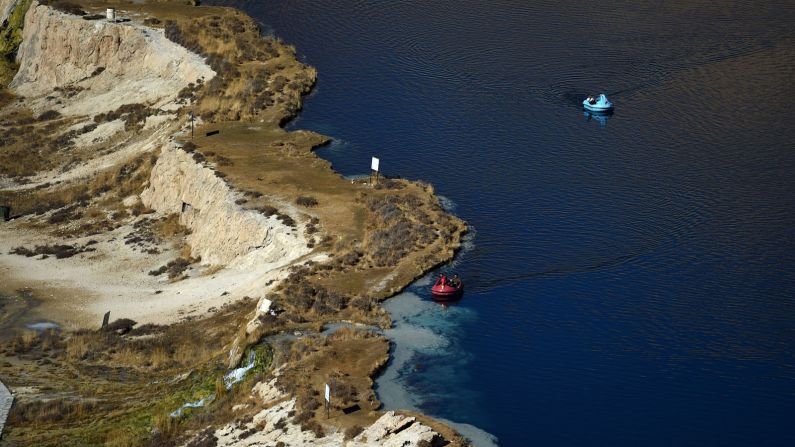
<point>600,105</point>
<point>446,291</point>
<point>597,108</point>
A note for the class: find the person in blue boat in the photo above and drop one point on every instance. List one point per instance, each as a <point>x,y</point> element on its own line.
<point>591,99</point>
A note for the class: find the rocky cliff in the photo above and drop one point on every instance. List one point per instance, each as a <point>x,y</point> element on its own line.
<point>105,64</point>
<point>6,7</point>
<point>222,232</point>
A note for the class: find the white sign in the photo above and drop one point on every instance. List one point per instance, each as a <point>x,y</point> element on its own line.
<point>374,164</point>
<point>328,393</point>
<point>265,305</point>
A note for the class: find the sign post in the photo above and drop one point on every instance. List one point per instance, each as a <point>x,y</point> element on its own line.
<point>192,117</point>
<point>328,400</point>
<point>374,170</point>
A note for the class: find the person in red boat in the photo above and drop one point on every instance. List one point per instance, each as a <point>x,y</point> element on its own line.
<point>454,281</point>
<point>443,280</point>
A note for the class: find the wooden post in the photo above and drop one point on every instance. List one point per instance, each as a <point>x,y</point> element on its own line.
<point>105,319</point>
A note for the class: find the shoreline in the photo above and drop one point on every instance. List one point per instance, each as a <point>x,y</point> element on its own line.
<point>229,158</point>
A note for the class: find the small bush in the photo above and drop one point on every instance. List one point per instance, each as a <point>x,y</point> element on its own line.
<point>315,428</point>
<point>88,128</point>
<point>337,300</point>
<point>287,220</point>
<point>346,392</point>
<point>67,7</point>
<point>302,418</point>
<point>267,210</point>
<point>49,115</point>
<point>362,303</point>
<point>173,32</point>
<point>306,201</point>
<point>174,268</point>
<point>352,432</point>
<point>206,438</point>
<point>64,215</point>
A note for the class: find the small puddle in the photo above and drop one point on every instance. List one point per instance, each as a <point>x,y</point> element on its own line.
<point>42,325</point>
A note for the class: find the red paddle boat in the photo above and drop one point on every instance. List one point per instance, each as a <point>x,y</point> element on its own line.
<point>447,287</point>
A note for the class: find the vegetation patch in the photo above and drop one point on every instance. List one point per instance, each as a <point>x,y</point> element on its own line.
<point>99,387</point>
<point>175,268</point>
<point>60,251</point>
<point>306,201</point>
<point>64,6</point>
<point>133,115</point>
<point>10,38</point>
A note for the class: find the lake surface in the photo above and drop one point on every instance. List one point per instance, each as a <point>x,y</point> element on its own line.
<point>630,281</point>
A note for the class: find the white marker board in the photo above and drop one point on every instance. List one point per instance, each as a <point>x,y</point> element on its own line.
<point>328,393</point>
<point>374,164</point>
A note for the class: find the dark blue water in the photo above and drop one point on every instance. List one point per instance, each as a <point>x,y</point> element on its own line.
<point>632,281</point>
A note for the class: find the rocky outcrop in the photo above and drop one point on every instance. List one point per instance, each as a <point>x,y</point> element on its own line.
<point>104,64</point>
<point>222,233</point>
<point>273,426</point>
<point>394,430</point>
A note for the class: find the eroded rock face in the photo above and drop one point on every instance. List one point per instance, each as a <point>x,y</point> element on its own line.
<point>6,7</point>
<point>222,233</point>
<point>106,64</point>
<point>274,425</point>
<point>394,430</point>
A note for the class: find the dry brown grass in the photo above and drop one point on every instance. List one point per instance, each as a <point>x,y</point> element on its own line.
<point>94,196</point>
<point>107,384</point>
<point>78,347</point>
<point>349,359</point>
<point>170,227</point>
<point>45,412</point>
<point>29,147</point>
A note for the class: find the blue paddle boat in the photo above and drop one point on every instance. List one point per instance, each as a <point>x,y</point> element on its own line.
<point>598,104</point>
